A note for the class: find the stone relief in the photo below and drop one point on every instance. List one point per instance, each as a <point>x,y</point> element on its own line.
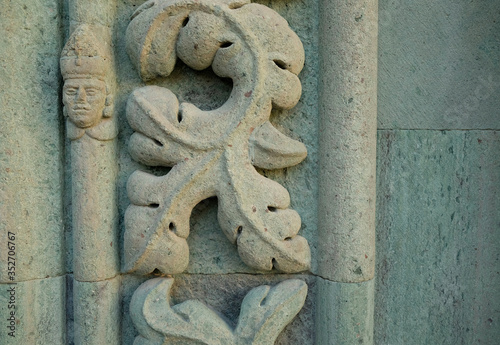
<point>87,98</point>
<point>265,312</point>
<point>213,153</point>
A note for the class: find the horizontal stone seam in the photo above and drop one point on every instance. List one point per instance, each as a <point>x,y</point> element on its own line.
<point>79,22</point>
<point>95,281</point>
<point>31,280</point>
<point>62,275</point>
<point>343,282</point>
<point>202,274</point>
<point>439,129</point>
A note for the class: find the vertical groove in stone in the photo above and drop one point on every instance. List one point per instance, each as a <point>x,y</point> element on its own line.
<point>94,207</point>
<point>348,111</point>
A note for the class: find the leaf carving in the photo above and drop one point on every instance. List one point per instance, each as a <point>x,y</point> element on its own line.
<point>213,152</point>
<point>265,312</point>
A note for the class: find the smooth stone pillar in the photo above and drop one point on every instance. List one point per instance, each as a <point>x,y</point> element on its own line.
<point>97,315</point>
<point>94,168</point>
<point>347,156</point>
<point>348,124</point>
<point>95,217</point>
<point>344,314</point>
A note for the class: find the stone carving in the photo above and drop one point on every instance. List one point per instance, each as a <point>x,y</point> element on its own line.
<point>212,152</point>
<point>86,96</point>
<point>265,312</point>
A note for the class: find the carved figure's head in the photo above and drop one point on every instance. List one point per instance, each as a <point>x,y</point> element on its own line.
<point>86,97</point>
<point>84,101</point>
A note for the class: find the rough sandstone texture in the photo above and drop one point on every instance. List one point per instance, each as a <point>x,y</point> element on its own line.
<point>31,173</point>
<point>437,262</point>
<point>30,143</point>
<point>347,137</point>
<point>212,154</point>
<point>40,313</point>
<point>438,70</point>
<point>97,313</point>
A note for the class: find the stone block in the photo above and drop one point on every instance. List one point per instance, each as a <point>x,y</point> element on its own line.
<point>438,64</point>
<point>438,238</point>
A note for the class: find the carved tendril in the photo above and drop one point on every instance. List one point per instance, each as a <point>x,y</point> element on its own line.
<point>213,152</point>
<point>265,311</point>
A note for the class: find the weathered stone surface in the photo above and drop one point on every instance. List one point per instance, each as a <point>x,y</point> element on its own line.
<point>438,238</point>
<point>87,68</point>
<point>30,141</point>
<point>439,64</point>
<point>97,312</point>
<point>213,152</point>
<point>210,252</point>
<point>39,312</point>
<point>95,237</point>
<point>91,12</point>
<point>264,312</point>
<point>344,314</point>
<point>225,293</point>
<point>347,138</point>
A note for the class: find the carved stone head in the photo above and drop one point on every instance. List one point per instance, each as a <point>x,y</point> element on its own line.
<point>83,66</point>
<point>84,101</point>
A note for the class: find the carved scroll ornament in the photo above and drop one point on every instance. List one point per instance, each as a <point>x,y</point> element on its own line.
<point>213,152</point>
<point>265,312</point>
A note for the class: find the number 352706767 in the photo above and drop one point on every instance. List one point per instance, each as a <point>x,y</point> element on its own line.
<point>11,256</point>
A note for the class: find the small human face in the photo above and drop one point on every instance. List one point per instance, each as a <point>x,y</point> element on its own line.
<point>84,100</point>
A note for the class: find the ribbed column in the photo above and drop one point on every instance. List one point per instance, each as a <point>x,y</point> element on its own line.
<point>348,111</point>
<point>96,265</point>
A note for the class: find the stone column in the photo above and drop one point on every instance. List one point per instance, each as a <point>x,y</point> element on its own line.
<point>32,268</point>
<point>348,109</point>
<point>96,265</point>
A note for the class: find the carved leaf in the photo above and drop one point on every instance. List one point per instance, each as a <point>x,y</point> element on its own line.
<point>212,152</point>
<point>265,312</point>
<point>271,149</point>
<point>191,322</point>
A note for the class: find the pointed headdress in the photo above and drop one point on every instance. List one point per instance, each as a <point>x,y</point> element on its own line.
<point>83,56</point>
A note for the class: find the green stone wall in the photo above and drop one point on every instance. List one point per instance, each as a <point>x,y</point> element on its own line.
<point>438,188</point>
